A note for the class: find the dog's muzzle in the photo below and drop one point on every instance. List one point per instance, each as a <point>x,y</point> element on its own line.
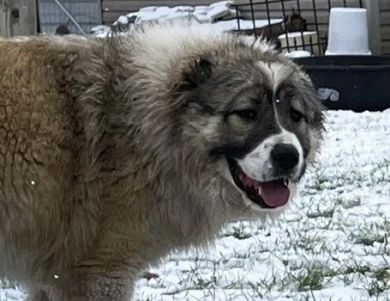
<point>267,172</point>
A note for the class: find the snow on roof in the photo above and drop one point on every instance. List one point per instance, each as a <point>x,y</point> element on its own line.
<point>218,14</point>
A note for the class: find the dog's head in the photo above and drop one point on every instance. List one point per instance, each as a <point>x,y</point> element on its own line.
<point>236,121</point>
<point>256,116</point>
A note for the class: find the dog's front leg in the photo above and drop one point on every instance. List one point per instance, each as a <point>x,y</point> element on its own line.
<point>106,288</point>
<point>37,295</point>
<point>96,287</point>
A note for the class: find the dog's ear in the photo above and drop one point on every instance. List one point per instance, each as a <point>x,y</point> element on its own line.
<point>196,73</point>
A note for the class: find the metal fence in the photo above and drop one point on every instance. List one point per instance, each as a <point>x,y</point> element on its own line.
<point>78,15</point>
<point>301,24</point>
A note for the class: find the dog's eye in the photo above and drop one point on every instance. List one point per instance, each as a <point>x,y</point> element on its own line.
<point>247,114</point>
<point>296,115</point>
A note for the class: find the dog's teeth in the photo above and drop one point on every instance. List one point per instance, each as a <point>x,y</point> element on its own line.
<point>286,182</point>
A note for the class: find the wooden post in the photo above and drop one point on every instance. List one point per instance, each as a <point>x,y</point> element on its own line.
<point>18,18</point>
<point>374,26</point>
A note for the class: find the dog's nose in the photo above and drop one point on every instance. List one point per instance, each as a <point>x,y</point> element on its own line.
<point>284,157</point>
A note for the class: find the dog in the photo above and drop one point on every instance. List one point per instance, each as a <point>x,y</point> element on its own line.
<point>116,151</point>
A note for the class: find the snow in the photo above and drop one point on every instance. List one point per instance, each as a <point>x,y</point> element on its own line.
<point>206,14</point>
<point>123,20</point>
<point>298,53</point>
<point>331,244</point>
<point>244,24</point>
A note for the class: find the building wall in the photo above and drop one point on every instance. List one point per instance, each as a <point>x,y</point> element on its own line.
<point>18,18</point>
<point>385,26</point>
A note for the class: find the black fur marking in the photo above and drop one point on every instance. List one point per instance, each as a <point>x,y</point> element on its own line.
<point>198,73</point>
<point>232,150</point>
<point>238,147</point>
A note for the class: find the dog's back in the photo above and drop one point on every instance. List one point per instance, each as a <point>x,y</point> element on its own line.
<point>38,161</point>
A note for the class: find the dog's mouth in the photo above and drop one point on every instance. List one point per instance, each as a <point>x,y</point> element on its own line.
<point>270,195</point>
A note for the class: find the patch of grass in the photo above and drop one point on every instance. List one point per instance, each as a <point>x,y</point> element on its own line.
<point>256,288</point>
<point>319,181</point>
<point>239,232</point>
<point>264,287</point>
<point>367,238</point>
<point>380,278</point>
<point>375,288</point>
<point>326,213</point>
<point>202,282</point>
<point>308,242</point>
<point>313,278</point>
<point>241,235</point>
<point>348,204</point>
<point>358,269</point>
<point>383,275</point>
<point>311,281</point>
<point>369,241</point>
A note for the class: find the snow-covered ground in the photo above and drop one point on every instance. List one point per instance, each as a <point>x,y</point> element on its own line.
<point>332,244</point>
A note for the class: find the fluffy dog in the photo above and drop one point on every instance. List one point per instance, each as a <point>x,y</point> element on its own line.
<point>115,151</point>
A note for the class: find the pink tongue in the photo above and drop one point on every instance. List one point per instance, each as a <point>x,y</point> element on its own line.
<point>274,193</point>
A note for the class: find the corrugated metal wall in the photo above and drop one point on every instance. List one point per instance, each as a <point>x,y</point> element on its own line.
<point>23,23</point>
<point>385,26</point>
<point>86,12</point>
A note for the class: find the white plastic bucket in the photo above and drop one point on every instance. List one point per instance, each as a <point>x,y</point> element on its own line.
<point>348,32</point>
